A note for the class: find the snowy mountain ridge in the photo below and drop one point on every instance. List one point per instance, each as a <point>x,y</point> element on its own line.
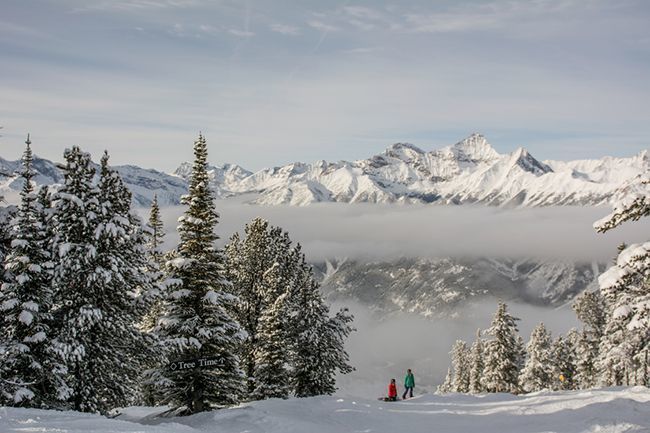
<point>470,171</point>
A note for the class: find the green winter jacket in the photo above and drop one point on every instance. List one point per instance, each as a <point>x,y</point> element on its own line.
<point>409,381</point>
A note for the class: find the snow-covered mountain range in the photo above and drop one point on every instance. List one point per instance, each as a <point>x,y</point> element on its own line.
<point>470,171</point>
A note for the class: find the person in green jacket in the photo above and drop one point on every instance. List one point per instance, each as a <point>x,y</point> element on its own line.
<point>409,383</point>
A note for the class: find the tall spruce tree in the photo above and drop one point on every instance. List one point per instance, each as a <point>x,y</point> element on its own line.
<point>123,287</point>
<point>590,309</point>
<point>476,364</point>
<point>319,339</point>
<point>248,261</point>
<point>272,375</point>
<point>502,353</point>
<point>538,371</point>
<point>199,317</point>
<point>27,362</point>
<point>461,365</point>
<point>75,213</point>
<point>98,280</point>
<point>154,233</point>
<point>626,290</point>
<point>153,302</point>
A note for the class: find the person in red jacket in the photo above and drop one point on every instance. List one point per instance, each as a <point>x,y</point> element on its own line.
<point>392,390</point>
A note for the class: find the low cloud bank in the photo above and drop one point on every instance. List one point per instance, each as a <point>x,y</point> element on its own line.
<point>384,231</point>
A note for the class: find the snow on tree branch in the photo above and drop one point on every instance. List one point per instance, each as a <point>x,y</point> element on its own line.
<point>632,201</point>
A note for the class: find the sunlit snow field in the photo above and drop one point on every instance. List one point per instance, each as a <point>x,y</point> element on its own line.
<point>610,410</point>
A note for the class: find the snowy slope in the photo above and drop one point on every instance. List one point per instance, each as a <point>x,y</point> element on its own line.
<point>613,410</point>
<point>470,171</point>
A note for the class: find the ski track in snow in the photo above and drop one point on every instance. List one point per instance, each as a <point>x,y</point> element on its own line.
<point>607,410</point>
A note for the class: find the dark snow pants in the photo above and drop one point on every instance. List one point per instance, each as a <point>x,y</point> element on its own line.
<point>408,389</point>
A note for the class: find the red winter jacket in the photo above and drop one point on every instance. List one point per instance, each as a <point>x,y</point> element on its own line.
<point>392,390</point>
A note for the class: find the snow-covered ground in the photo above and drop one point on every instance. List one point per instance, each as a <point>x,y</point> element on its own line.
<point>607,410</point>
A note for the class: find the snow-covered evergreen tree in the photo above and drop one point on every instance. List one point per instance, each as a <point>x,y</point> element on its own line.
<point>538,370</point>
<point>590,309</point>
<point>563,359</point>
<point>248,261</point>
<point>502,353</point>
<point>123,287</point>
<point>461,365</point>
<point>319,339</point>
<point>199,317</point>
<point>27,361</point>
<point>476,364</point>
<point>98,279</point>
<point>154,233</point>
<point>626,290</point>
<point>272,375</point>
<point>153,303</point>
<point>265,267</point>
<point>75,213</point>
<point>334,359</point>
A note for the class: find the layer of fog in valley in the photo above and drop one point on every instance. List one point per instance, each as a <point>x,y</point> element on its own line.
<point>381,231</point>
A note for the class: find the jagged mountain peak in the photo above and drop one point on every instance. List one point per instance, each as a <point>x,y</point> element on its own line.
<point>184,170</point>
<point>404,151</point>
<point>522,158</point>
<point>475,148</point>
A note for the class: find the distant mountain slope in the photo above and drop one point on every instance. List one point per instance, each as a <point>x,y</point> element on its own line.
<point>442,287</point>
<point>143,183</point>
<point>470,171</point>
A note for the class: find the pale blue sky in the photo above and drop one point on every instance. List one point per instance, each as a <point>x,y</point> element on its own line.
<point>270,82</point>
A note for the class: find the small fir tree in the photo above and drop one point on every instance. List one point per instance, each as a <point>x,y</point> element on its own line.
<point>460,364</point>
<point>538,371</point>
<point>477,364</point>
<point>564,362</point>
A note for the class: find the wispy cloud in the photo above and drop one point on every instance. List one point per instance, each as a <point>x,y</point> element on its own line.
<point>493,15</point>
<point>366,18</point>
<point>241,33</point>
<point>132,5</point>
<point>209,29</point>
<point>285,29</point>
<point>450,22</point>
<point>321,26</point>
<point>364,50</point>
